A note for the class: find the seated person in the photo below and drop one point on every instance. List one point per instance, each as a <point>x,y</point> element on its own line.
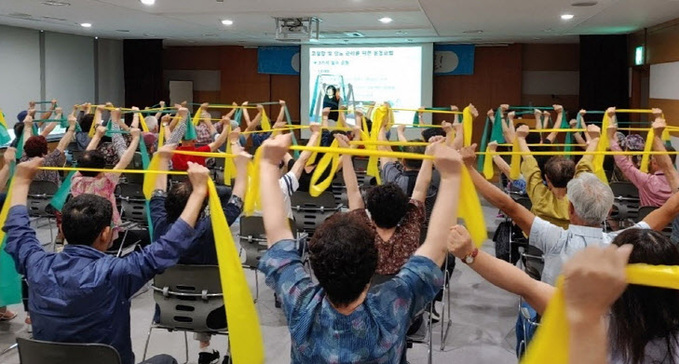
<point>255,125</point>
<point>550,201</point>
<point>395,219</point>
<point>36,147</point>
<point>205,131</point>
<point>180,161</point>
<point>589,201</point>
<point>103,184</point>
<point>94,289</point>
<point>642,322</point>
<point>166,209</point>
<point>341,319</point>
<point>9,157</point>
<point>654,189</point>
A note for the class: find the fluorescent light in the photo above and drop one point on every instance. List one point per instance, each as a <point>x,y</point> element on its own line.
<point>385,20</point>
<point>227,22</point>
<point>148,2</point>
<point>567,16</point>
<point>86,25</point>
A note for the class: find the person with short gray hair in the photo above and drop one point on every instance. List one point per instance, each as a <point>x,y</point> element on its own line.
<point>590,198</point>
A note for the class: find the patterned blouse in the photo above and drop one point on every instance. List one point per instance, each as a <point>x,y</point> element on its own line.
<point>374,333</point>
<point>403,243</point>
<point>104,185</point>
<point>55,158</point>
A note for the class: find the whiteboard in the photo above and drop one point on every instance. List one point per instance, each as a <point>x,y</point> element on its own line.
<point>181,91</point>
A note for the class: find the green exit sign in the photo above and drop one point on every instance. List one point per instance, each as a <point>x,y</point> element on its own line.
<point>639,56</point>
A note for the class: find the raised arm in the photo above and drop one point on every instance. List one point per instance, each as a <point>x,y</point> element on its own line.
<point>299,164</point>
<point>659,218</point>
<point>68,136</point>
<point>94,142</point>
<point>116,117</point>
<point>349,175</point>
<point>273,208</point>
<point>9,157</point>
<point>499,162</point>
<point>521,216</point>
<point>51,125</point>
<point>663,160</point>
<point>401,133</point>
<point>593,133</point>
<point>557,124</point>
<point>221,138</point>
<point>382,136</point>
<point>128,155</point>
<point>165,156</point>
<point>424,175</point>
<point>241,162</point>
<point>458,140</point>
<point>281,112</point>
<point>593,280</point>
<point>28,125</point>
<point>625,165</point>
<point>444,215</point>
<point>178,133</point>
<point>159,114</point>
<point>48,113</point>
<point>499,272</point>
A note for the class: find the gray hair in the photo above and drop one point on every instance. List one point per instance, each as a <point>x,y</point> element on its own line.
<point>151,122</point>
<point>591,198</point>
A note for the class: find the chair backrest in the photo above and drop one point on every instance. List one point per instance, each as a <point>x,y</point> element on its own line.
<point>643,212</point>
<point>310,212</point>
<point>624,189</point>
<point>186,295</point>
<point>253,239</point>
<point>40,194</point>
<point>132,202</point>
<point>45,352</point>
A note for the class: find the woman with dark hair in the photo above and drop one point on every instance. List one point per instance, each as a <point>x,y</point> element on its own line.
<point>643,323</point>
<point>332,100</point>
<point>103,184</point>
<point>36,147</point>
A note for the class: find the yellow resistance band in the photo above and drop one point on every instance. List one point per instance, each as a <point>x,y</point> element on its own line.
<point>551,342</point>
<point>469,203</point>
<point>244,330</point>
<point>581,153</point>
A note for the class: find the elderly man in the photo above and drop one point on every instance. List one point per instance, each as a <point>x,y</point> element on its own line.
<point>589,201</point>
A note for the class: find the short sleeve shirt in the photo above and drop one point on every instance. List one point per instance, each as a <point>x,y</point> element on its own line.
<point>103,185</point>
<point>559,244</point>
<point>403,243</point>
<point>373,333</point>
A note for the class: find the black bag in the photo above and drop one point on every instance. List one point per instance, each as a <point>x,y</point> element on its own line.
<point>502,239</point>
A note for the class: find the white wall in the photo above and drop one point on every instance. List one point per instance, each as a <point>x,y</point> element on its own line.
<point>664,81</point>
<point>69,69</point>
<point>19,70</point>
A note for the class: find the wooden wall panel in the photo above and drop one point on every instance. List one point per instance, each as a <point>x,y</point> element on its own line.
<point>192,58</point>
<point>497,79</point>
<point>670,108</point>
<point>551,57</point>
<point>661,43</point>
<point>240,80</point>
<point>287,87</point>
<point>569,102</point>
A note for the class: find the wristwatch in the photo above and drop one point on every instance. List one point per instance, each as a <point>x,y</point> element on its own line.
<point>469,258</point>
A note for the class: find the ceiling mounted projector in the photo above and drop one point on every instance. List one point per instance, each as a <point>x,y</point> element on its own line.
<point>297,29</point>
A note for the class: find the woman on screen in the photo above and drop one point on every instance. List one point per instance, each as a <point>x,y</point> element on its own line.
<point>332,100</point>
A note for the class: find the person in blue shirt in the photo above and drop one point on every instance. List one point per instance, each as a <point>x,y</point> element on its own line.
<point>166,209</point>
<point>82,295</point>
<point>342,319</point>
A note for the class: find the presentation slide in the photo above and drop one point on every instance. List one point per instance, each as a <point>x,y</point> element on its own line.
<point>359,75</point>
